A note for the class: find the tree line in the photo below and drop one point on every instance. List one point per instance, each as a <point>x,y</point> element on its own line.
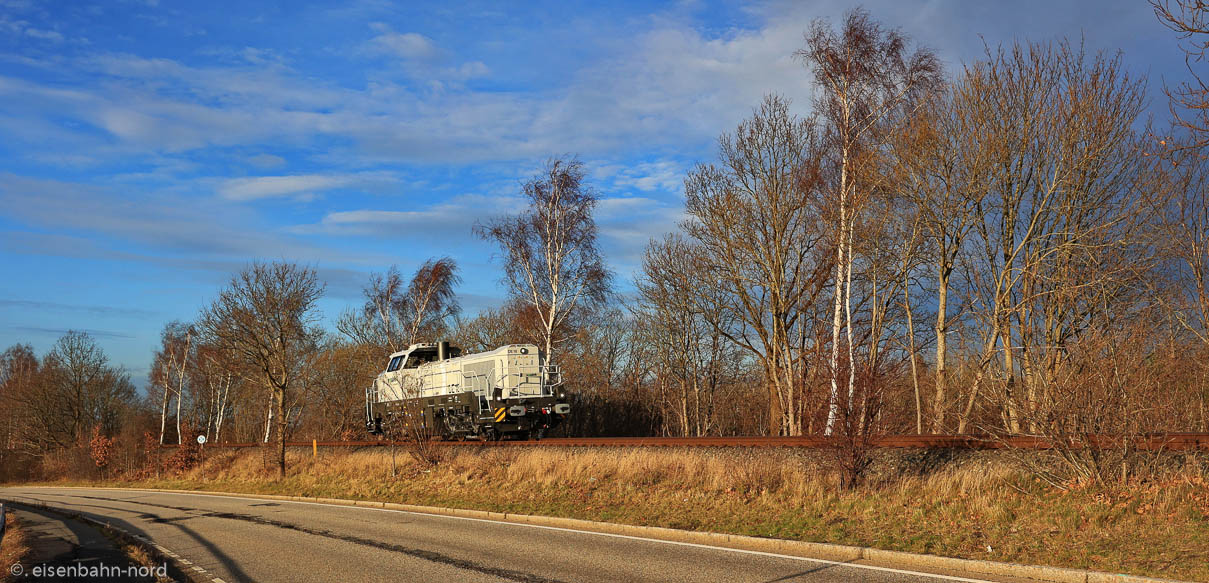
<point>1010,249</point>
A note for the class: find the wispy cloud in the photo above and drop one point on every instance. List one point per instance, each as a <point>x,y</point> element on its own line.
<point>258,187</point>
<point>95,310</point>
<point>158,224</point>
<point>453,218</point>
<point>405,45</point>
<point>61,331</point>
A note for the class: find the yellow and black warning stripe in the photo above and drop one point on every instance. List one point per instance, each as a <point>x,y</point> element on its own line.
<point>500,414</point>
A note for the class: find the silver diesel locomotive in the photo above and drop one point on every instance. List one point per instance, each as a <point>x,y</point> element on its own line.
<point>509,391</point>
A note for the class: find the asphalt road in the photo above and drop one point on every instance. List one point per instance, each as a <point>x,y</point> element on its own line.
<point>247,539</point>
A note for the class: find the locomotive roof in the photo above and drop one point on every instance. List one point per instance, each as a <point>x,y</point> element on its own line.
<point>433,345</point>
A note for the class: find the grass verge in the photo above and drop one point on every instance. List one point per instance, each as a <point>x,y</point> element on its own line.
<point>977,506</point>
<point>14,547</point>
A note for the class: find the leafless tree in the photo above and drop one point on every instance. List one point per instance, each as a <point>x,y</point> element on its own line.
<point>170,370</point>
<point>430,301</point>
<point>551,261</point>
<point>378,321</point>
<point>943,156</point>
<point>394,317</point>
<point>214,375</point>
<point>265,319</point>
<point>1189,100</point>
<point>1058,231</point>
<point>865,76</point>
<point>333,388</point>
<point>490,329</point>
<point>19,369</point>
<point>1187,224</point>
<point>685,350</point>
<point>74,390</point>
<point>1186,232</point>
<point>754,220</point>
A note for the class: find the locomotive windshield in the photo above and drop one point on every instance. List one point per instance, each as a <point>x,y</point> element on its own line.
<point>418,357</point>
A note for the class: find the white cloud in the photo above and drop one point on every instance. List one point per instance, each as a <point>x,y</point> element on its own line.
<point>471,70</point>
<point>50,35</point>
<point>258,187</point>
<point>405,45</point>
<point>266,161</point>
<point>661,175</point>
<point>157,225</point>
<point>22,27</point>
<point>668,87</point>
<point>671,84</point>
<point>451,218</point>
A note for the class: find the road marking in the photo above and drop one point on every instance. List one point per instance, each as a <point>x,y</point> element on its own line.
<point>608,534</point>
<point>165,551</point>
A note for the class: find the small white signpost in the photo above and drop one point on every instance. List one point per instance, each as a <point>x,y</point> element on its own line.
<point>201,443</point>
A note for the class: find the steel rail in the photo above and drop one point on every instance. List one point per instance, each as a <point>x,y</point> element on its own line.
<point>1166,441</point>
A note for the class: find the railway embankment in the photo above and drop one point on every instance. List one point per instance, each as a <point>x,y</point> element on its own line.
<point>965,504</point>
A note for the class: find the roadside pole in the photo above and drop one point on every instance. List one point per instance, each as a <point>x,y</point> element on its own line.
<point>201,454</point>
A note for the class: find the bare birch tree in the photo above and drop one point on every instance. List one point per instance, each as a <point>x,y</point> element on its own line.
<point>551,261</point>
<point>169,370</point>
<point>430,301</point>
<point>394,316</point>
<point>865,75</point>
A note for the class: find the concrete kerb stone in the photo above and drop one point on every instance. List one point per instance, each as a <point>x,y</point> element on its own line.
<point>824,551</point>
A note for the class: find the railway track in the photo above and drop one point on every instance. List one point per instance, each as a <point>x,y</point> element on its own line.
<point>1168,441</point>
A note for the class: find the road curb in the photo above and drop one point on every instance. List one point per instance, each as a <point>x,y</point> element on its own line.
<point>192,573</point>
<point>825,551</point>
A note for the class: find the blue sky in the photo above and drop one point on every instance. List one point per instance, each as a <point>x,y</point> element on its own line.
<point>150,149</point>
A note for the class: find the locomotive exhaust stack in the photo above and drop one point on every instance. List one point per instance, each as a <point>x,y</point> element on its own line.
<point>507,391</point>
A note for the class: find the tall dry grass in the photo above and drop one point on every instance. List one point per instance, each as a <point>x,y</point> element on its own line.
<point>14,547</point>
<point>980,505</point>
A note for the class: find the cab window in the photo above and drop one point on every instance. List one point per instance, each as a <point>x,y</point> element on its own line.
<point>394,364</point>
<point>415,359</point>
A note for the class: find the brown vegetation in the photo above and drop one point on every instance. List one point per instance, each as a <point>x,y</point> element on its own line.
<point>14,547</point>
<point>962,504</point>
<point>1000,251</point>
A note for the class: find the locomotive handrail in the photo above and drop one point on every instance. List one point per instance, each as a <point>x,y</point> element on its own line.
<point>428,374</point>
<point>551,370</point>
<point>474,376</point>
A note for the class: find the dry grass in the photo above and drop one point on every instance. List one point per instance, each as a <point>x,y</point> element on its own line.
<point>13,548</point>
<point>976,506</point>
<point>139,555</point>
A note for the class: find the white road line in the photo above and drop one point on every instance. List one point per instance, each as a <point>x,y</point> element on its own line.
<point>178,558</point>
<point>608,534</point>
